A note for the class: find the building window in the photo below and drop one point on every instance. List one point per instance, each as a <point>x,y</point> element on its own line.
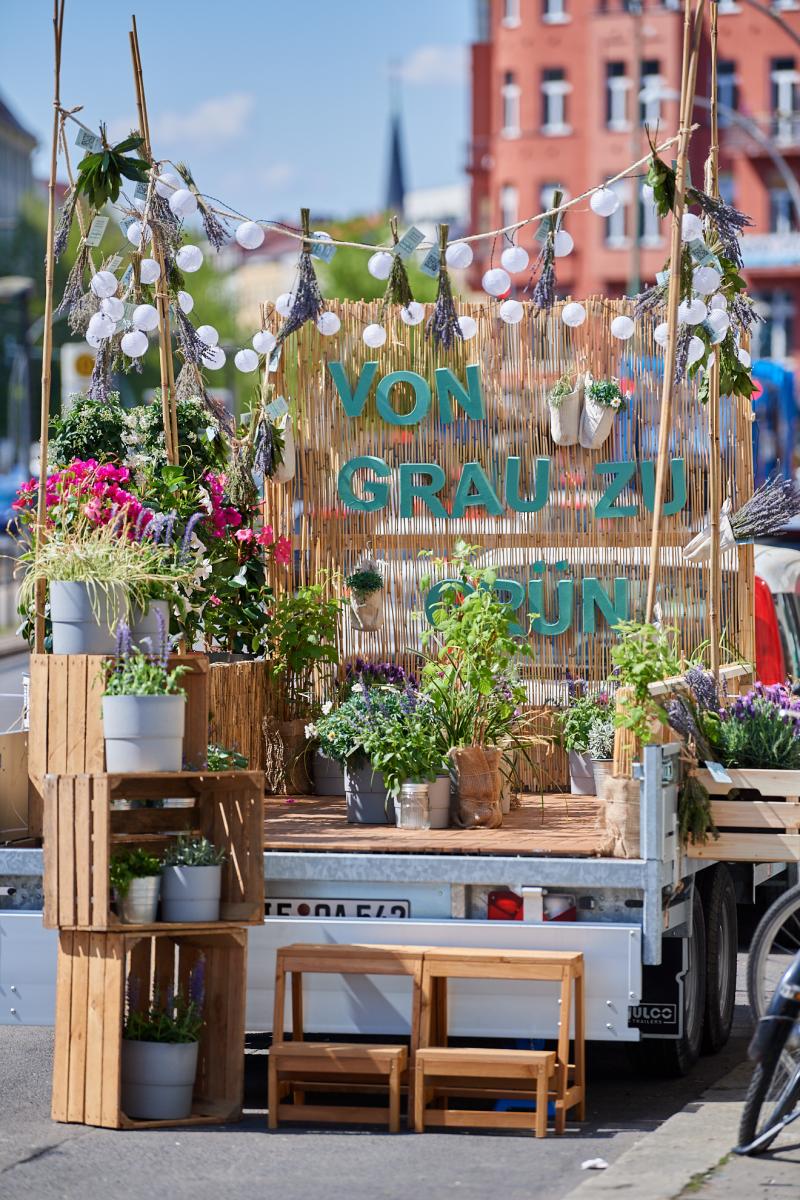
<point>510,101</point>
<point>554,13</point>
<point>783,98</point>
<point>774,336</point>
<point>616,237</point>
<point>781,211</point>
<point>785,5</point>
<point>509,204</point>
<point>555,90</point>
<point>727,90</point>
<point>649,220</point>
<point>617,87</point>
<point>727,188</point>
<point>511,17</point>
<point>650,95</point>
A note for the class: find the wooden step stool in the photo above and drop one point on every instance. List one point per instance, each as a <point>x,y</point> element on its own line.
<point>439,1071</point>
<point>334,1064</point>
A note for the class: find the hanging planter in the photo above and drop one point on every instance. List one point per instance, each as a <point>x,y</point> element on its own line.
<point>602,401</point>
<point>366,596</point>
<point>564,401</point>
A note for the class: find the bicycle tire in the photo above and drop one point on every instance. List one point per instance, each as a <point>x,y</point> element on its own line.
<point>757,1094</point>
<point>781,910</point>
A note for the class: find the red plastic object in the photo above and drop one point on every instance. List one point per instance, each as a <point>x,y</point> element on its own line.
<point>770,662</point>
<point>504,906</point>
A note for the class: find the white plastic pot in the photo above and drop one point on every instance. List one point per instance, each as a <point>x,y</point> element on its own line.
<point>145,626</point>
<point>581,774</point>
<point>144,733</point>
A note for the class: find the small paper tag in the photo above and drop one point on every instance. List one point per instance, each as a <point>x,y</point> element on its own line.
<point>126,223</point>
<point>662,277</point>
<point>114,262</point>
<point>96,231</point>
<point>702,255</point>
<point>140,191</point>
<point>128,312</point>
<point>128,276</point>
<point>274,359</point>
<point>430,263</point>
<point>88,141</point>
<point>324,250</point>
<point>549,224</point>
<point>277,408</point>
<point>408,243</point>
<point>718,772</point>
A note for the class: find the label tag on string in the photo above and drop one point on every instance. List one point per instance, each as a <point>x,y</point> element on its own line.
<point>114,262</point>
<point>128,311</point>
<point>140,191</point>
<point>277,408</point>
<point>128,276</point>
<point>323,250</point>
<point>126,223</point>
<point>96,230</point>
<point>718,772</point>
<point>89,141</point>
<point>550,224</point>
<point>703,256</point>
<point>662,277</point>
<point>430,263</point>
<point>408,243</point>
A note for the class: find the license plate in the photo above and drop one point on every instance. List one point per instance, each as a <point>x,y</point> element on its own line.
<point>369,910</point>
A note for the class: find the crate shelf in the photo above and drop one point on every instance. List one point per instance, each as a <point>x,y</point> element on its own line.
<point>761,826</point>
<point>83,827</point>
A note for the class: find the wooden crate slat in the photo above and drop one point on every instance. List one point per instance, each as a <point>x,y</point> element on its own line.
<point>77,670</point>
<point>95,751</point>
<point>101,851</point>
<point>59,1106</point>
<point>57,715</point>
<point>767,783</point>
<point>67,914</point>
<point>755,814</point>
<point>749,847</point>
<point>50,827</point>
<point>83,851</point>
<point>114,949</point>
<point>76,1095</point>
<point>152,820</point>
<point>95,1031</point>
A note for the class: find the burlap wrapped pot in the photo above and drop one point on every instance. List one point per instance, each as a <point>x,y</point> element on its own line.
<point>477,771</point>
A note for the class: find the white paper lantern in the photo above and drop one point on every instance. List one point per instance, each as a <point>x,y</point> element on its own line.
<point>245,360</point>
<point>185,302</point>
<point>380,264</point>
<point>604,202</point>
<point>660,333</point>
<point>744,358</point>
<point>719,302</point>
<point>374,336</point>
<point>468,326</point>
<point>573,314</point>
<point>458,255</point>
<point>208,334</point>
<point>622,327</point>
<point>512,312</point>
<point>145,317</point>
<point>285,303</point>
<point>183,202</point>
<point>137,233</point>
<point>104,283</point>
<point>691,227</point>
<point>413,313</point>
<point>496,281</point>
<point>706,280</point>
<point>114,307</point>
<point>189,259</point>
<point>214,358</point>
<point>692,312</point>
<point>328,323</point>
<point>102,326</point>
<point>719,321</point>
<point>134,344</point>
<point>264,342</point>
<point>515,259</point>
<point>149,270</point>
<point>697,349</point>
<point>91,340</point>
<point>167,183</point>
<point>563,243</point>
<point>249,235</point>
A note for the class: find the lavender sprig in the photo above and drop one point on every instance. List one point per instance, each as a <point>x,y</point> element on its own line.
<point>682,353</point>
<point>64,227</point>
<point>649,300</point>
<point>543,296</point>
<point>768,510</point>
<point>197,983</point>
<point>100,382</point>
<point>308,302</point>
<point>74,289</point>
<point>442,326</point>
<point>192,347</point>
<point>191,525</point>
<point>727,222</point>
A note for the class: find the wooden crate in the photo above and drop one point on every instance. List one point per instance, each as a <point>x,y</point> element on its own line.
<point>753,830</point>
<point>98,971</point>
<point>82,831</point>
<point>66,720</point>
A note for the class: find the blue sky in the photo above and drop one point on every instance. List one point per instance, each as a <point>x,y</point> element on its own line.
<point>273,103</point>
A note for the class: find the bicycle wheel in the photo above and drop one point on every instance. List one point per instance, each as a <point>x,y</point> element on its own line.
<point>775,943</point>
<point>773,1093</point>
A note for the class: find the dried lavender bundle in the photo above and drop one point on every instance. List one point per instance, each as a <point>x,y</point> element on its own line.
<point>100,383</point>
<point>767,511</point>
<point>64,226</point>
<point>74,289</point>
<point>398,288</point>
<point>161,217</point>
<point>192,347</point>
<point>442,325</point>
<point>263,448</point>
<point>82,311</point>
<point>543,296</point>
<point>308,302</point>
<point>684,336</point>
<point>727,222</point>
<point>743,314</point>
<point>215,231</point>
<point>649,300</point>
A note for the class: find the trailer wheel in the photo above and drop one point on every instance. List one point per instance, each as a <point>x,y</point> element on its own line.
<point>676,1056</point>
<point>719,903</point>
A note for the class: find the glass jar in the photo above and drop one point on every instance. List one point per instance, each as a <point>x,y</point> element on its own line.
<point>414,813</point>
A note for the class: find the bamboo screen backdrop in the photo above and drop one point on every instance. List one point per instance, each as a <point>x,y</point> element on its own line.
<point>518,364</point>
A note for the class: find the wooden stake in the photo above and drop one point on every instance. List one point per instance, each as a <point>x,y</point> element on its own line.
<point>715,496</point>
<point>47,334</point>
<point>168,408</point>
<point>692,28</point>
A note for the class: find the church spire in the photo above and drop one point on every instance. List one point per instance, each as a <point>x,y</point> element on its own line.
<point>395,178</point>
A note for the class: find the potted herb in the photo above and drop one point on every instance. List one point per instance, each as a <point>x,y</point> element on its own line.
<point>603,399</point>
<point>135,877</point>
<point>575,722</point>
<point>601,748</point>
<point>191,881</point>
<point>564,401</point>
<point>401,743</point>
<point>159,1052</point>
<point>366,596</point>
<point>144,709</point>
<point>339,733</point>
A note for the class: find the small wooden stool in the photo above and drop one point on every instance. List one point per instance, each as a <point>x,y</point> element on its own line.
<point>337,1064</point>
<point>441,1070</point>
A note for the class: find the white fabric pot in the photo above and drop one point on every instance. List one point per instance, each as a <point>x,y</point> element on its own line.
<point>565,417</point>
<point>597,421</point>
<point>144,733</point>
<point>285,471</point>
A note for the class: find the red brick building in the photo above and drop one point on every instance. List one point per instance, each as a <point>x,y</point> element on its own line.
<point>561,90</point>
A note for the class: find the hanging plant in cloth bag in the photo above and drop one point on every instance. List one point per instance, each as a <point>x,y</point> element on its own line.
<point>366,596</point>
<point>285,469</point>
<point>564,401</point>
<point>602,401</point>
<point>769,510</point>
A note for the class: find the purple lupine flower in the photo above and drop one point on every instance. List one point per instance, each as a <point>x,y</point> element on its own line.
<point>138,529</point>
<point>197,982</point>
<point>169,528</point>
<point>191,525</point>
<point>133,993</point>
<point>124,645</point>
<point>163,640</point>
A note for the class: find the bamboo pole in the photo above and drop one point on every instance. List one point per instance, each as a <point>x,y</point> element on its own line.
<point>714,464</point>
<point>692,28</point>
<point>168,410</point>
<point>47,334</point>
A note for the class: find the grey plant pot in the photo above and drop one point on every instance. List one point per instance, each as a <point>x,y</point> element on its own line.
<point>328,775</point>
<point>190,894</point>
<point>145,631</point>
<point>603,769</point>
<point>139,905</point>
<point>439,802</point>
<point>83,627</point>
<point>581,775</point>
<point>366,796</point>
<point>144,733</point>
<point>158,1079</point>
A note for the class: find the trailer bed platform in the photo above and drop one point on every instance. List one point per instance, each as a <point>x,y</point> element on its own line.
<point>553,825</point>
